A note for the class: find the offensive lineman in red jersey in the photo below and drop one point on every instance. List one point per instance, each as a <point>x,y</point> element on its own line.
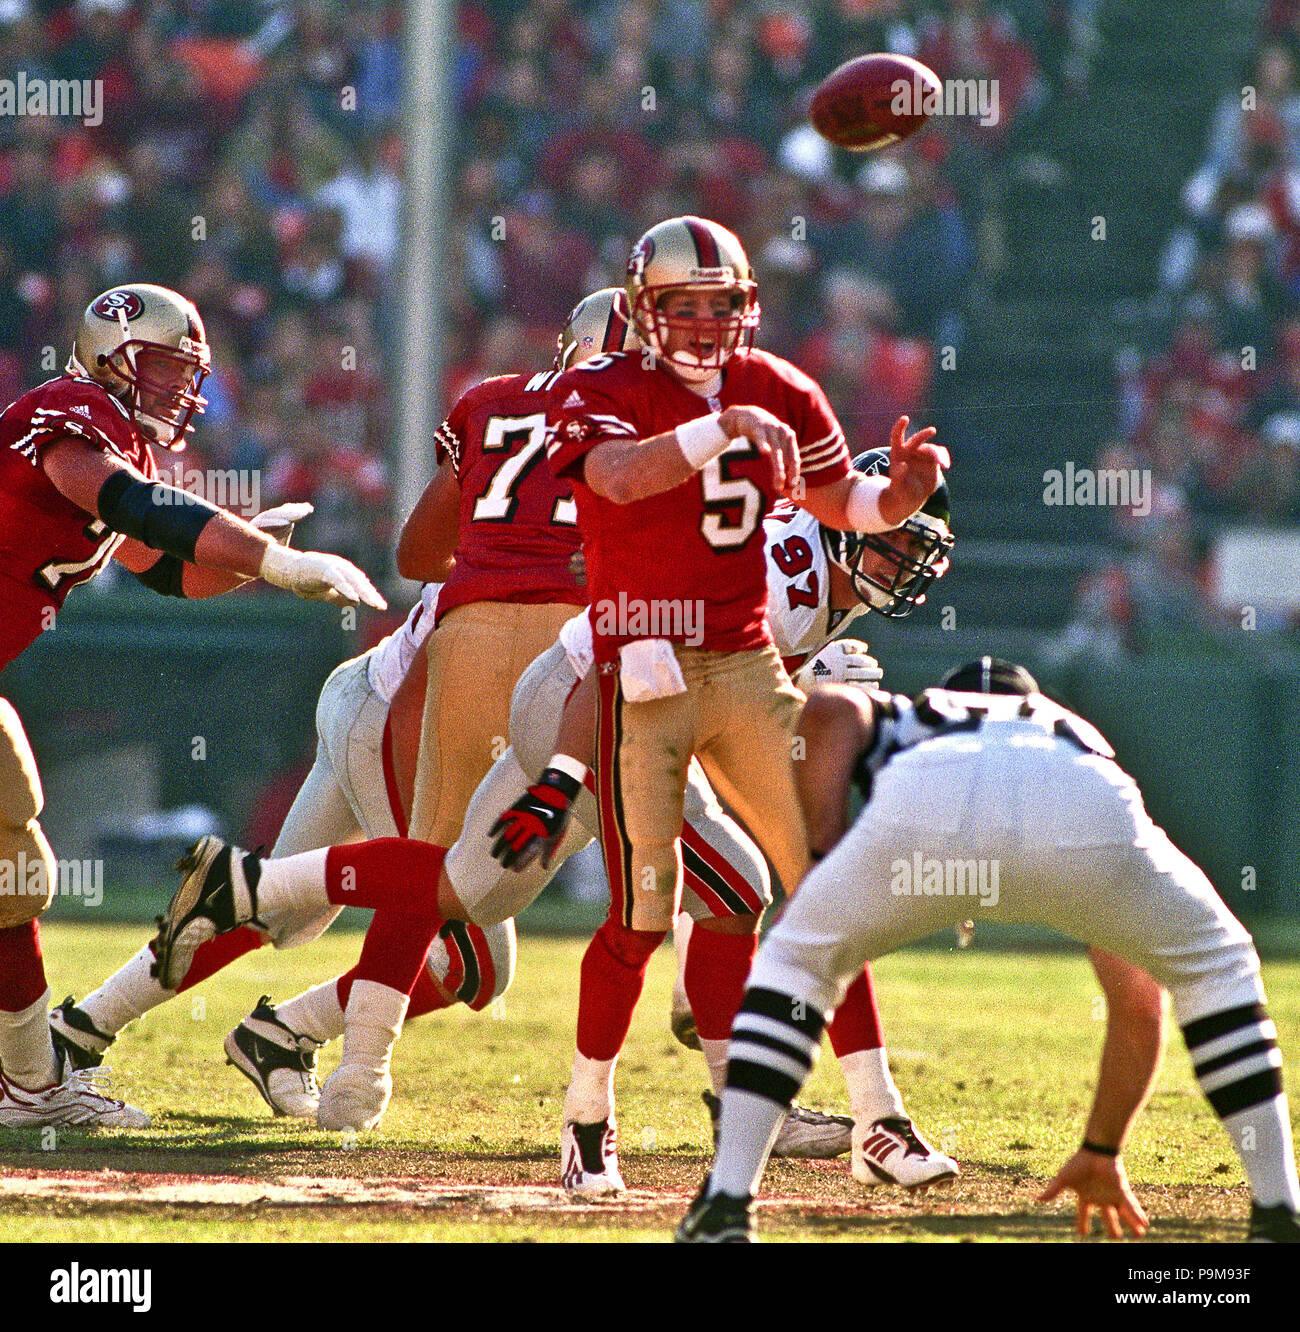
<point>78,486</point>
<point>502,605</point>
<point>671,499</point>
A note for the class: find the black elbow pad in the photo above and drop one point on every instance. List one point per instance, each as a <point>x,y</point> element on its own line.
<point>159,515</point>
<point>166,577</point>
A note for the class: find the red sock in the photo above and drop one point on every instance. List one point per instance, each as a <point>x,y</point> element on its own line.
<point>425,998</point>
<point>22,973</point>
<point>389,873</point>
<point>613,972</point>
<point>717,966</point>
<point>856,1024</point>
<point>220,952</point>
<point>395,947</point>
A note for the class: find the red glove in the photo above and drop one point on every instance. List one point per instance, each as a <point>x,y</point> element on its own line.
<point>534,825</point>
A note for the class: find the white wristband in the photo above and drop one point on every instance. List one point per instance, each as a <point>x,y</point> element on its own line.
<point>862,507</point>
<point>701,440</point>
<point>570,766</point>
<point>277,560</point>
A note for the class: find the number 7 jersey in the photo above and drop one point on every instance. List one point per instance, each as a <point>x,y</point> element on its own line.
<point>701,542</point>
<point>518,523</point>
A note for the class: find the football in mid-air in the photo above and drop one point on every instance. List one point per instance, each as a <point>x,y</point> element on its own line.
<point>875,100</point>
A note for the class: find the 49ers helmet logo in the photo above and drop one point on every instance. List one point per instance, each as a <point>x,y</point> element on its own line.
<point>641,255</point>
<point>112,301</point>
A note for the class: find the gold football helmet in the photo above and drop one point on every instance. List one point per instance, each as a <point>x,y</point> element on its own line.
<point>598,323</point>
<point>692,253</point>
<point>146,345</point>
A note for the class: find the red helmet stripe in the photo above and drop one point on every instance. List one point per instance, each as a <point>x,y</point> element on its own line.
<point>706,247</point>
<point>615,324</point>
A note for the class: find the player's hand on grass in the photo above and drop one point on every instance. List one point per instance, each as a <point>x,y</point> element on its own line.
<point>1101,1183</point>
<point>534,825</point>
<point>317,576</point>
<point>915,465</point>
<point>771,436</point>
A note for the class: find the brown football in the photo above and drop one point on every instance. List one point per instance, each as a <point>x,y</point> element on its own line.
<point>874,100</point>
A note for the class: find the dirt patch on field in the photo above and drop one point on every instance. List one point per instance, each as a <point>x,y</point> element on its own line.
<point>124,1187</point>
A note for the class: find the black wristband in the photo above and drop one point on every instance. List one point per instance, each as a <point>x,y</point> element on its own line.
<point>159,515</point>
<point>1099,1149</point>
<point>567,786</point>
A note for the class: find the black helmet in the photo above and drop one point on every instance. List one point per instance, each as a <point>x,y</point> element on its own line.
<point>928,541</point>
<point>989,675</point>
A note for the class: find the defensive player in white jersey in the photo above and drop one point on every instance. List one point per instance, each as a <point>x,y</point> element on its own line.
<point>985,797</point>
<point>725,874</point>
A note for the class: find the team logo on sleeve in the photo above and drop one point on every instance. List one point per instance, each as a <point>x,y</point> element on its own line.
<point>112,301</point>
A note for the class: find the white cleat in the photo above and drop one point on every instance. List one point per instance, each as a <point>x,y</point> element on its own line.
<point>805,1135</point>
<point>589,1160</point>
<point>354,1096</point>
<point>891,1151</point>
<point>77,1102</point>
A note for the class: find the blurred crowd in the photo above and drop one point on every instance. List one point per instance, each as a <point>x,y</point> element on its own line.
<point>250,154</point>
<point>1211,409</point>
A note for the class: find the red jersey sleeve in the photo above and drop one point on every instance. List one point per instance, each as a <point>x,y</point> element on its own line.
<point>449,438</point>
<point>823,454</point>
<point>583,414</point>
<point>81,409</point>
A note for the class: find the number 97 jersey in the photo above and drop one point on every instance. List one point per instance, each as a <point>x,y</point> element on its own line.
<point>518,524</point>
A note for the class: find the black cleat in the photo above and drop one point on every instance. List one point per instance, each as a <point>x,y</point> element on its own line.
<point>720,1219</point>
<point>77,1041</point>
<point>1273,1225</point>
<point>279,1062</point>
<point>218,893</point>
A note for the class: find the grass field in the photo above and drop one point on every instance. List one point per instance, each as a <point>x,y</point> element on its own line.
<point>995,1054</point>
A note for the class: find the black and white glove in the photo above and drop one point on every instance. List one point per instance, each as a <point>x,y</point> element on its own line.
<point>841,661</point>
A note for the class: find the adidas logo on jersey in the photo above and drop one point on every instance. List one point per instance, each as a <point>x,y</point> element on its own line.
<point>573,400</point>
<point>82,410</point>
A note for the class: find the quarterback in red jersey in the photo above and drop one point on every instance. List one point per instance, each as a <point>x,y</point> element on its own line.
<point>78,486</point>
<point>675,458</point>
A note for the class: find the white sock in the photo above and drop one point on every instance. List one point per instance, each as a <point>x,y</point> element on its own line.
<point>682,927</point>
<point>750,1124</point>
<point>1262,1137</point>
<point>715,1056</point>
<point>127,995</point>
<point>872,1093</point>
<point>26,1051</point>
<point>316,1013</point>
<point>590,1097</point>
<point>374,1018</point>
<point>292,884</point>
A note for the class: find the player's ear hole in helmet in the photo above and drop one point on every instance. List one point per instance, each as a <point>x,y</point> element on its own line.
<point>990,675</point>
<point>147,346</point>
<point>891,571</point>
<point>598,324</point>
